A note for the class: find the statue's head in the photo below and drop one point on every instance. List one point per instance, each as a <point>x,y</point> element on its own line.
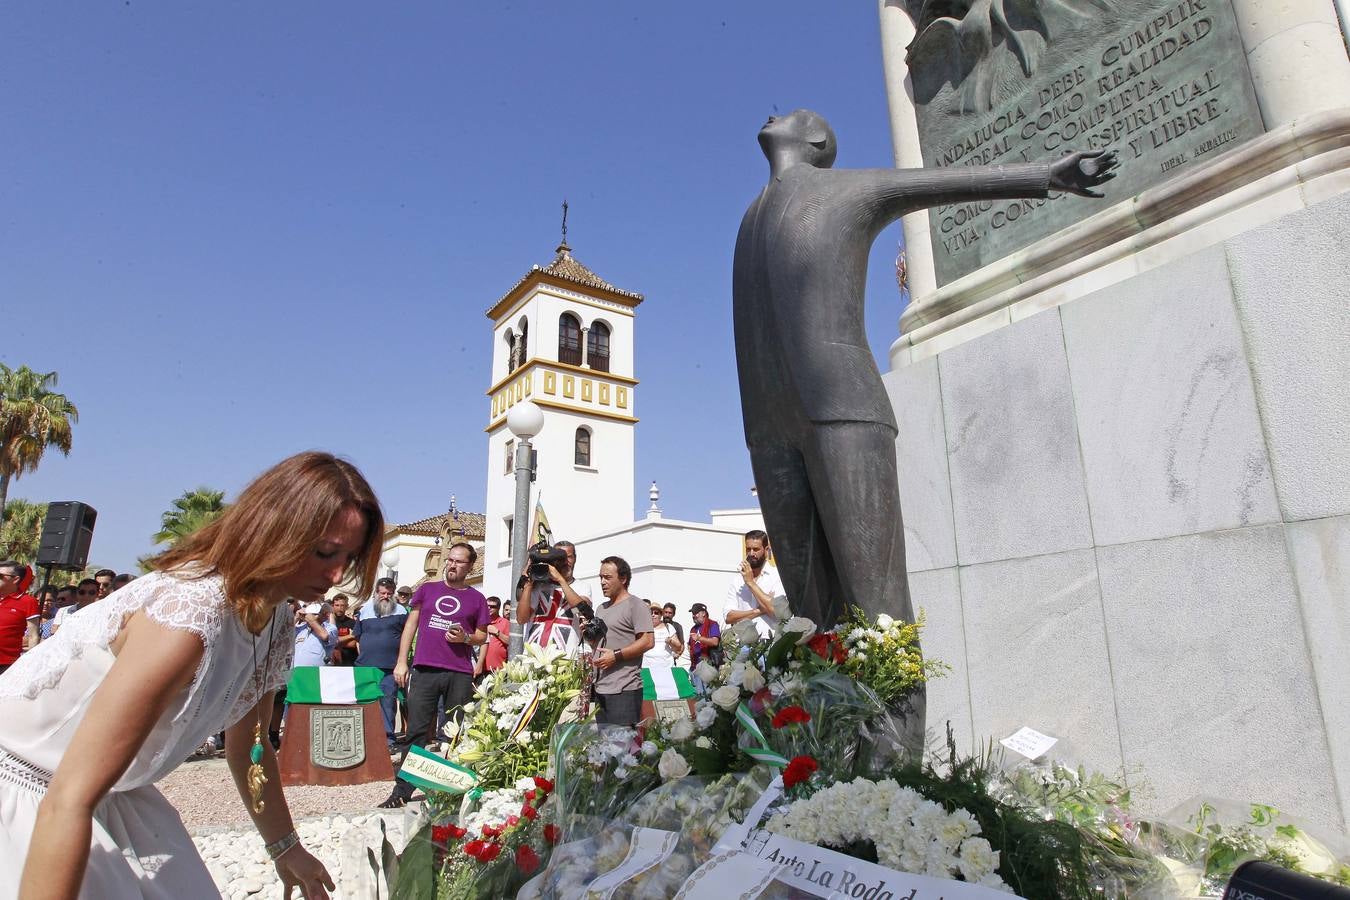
<point>803,135</point>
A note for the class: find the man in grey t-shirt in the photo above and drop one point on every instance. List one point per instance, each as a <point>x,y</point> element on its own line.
<point>628,619</point>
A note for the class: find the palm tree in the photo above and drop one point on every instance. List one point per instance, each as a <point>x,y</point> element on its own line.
<point>188,513</point>
<point>21,529</point>
<point>32,418</point>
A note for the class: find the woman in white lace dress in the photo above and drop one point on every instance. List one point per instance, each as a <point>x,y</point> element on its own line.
<point>129,687</point>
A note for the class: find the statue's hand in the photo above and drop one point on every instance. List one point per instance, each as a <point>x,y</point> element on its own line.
<point>1079,173</point>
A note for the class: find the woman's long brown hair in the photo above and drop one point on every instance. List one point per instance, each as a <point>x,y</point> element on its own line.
<point>267,533</point>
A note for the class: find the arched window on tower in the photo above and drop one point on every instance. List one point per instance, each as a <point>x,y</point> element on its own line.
<point>523,343</point>
<point>597,347</point>
<point>510,351</point>
<point>583,447</point>
<point>569,339</point>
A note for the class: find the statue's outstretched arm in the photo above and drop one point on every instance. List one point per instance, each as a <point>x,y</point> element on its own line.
<point>895,192</point>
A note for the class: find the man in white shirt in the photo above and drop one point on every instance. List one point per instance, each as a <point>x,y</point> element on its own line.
<point>755,588</point>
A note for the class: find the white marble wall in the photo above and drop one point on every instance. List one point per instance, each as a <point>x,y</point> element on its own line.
<point>1128,520</point>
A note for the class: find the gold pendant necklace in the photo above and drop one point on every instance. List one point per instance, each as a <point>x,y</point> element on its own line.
<point>256,778</point>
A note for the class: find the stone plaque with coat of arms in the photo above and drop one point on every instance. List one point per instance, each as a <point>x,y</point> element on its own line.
<point>336,737</point>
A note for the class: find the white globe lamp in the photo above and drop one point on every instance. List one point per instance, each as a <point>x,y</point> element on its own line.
<point>525,420</point>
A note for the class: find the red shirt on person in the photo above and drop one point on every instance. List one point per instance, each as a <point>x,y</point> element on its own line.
<point>14,613</point>
<point>494,651</point>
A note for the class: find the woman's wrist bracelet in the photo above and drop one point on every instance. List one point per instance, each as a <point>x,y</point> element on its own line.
<point>281,845</point>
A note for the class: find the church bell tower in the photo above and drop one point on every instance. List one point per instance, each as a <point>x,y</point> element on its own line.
<point>563,338</point>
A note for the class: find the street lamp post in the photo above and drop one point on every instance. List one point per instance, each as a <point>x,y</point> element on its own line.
<point>390,559</point>
<point>525,420</point>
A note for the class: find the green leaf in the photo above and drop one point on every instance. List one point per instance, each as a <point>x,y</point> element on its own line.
<point>416,869</point>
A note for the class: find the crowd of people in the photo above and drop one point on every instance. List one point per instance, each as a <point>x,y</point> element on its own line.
<point>27,619</point>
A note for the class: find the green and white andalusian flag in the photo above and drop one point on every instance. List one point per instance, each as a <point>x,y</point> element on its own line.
<point>667,684</point>
<point>334,684</point>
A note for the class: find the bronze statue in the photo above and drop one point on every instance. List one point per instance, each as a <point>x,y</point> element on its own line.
<point>818,422</point>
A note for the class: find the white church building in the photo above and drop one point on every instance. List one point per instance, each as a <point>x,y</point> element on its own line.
<point>564,339</point>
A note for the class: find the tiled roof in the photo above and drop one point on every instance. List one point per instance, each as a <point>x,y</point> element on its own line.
<point>567,268</point>
<point>470,524</point>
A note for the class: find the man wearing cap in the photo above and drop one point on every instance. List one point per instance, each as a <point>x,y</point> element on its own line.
<point>705,640</point>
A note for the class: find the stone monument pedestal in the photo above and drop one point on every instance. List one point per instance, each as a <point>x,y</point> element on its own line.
<point>1123,454</point>
<point>334,744</point>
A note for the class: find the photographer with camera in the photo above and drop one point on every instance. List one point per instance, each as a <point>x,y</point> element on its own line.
<point>547,595</point>
<point>620,632</point>
<point>315,634</point>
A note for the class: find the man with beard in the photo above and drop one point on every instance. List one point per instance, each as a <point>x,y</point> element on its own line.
<point>450,619</point>
<point>378,637</point>
<point>755,587</point>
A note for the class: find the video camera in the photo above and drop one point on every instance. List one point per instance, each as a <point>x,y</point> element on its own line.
<point>541,557</point>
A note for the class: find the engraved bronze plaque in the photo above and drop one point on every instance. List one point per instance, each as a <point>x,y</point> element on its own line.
<point>1164,83</point>
<point>336,737</point>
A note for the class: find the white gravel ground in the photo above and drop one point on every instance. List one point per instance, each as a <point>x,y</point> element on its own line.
<point>336,824</point>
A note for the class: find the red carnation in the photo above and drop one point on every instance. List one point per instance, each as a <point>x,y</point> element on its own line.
<point>490,852</point>
<point>543,784</point>
<point>492,830</point>
<point>531,794</point>
<point>529,812</point>
<point>526,859</point>
<point>800,769</point>
<point>552,833</point>
<point>441,834</point>
<point>790,715</point>
<point>512,821</point>
<point>474,848</point>
<point>456,831</point>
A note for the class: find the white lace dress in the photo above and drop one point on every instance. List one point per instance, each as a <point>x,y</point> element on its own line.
<point>140,847</point>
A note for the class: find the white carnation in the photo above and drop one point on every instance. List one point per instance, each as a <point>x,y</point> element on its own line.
<point>648,748</point>
<point>727,697</point>
<point>884,621</point>
<point>703,743</point>
<point>706,715</point>
<point>682,729</point>
<point>672,765</point>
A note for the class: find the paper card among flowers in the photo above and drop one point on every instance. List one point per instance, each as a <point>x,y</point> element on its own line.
<point>1029,743</point>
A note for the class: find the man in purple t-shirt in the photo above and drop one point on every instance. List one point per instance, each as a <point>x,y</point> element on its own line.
<point>449,619</point>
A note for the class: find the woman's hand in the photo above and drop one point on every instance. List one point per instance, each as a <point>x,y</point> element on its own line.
<point>299,868</point>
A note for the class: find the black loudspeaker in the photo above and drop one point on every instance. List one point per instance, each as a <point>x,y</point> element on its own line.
<point>66,534</point>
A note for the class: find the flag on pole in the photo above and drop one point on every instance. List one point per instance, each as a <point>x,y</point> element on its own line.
<point>539,529</point>
<point>667,684</point>
<point>334,684</point>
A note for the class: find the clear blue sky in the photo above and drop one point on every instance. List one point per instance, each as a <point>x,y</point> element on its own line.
<point>243,230</point>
